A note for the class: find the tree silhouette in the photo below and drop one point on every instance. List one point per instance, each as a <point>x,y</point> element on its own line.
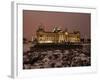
<point>24,40</point>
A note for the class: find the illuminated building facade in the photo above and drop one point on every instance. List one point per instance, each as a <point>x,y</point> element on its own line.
<point>57,36</point>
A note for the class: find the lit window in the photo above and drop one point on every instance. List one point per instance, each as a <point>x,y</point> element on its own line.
<point>66,33</point>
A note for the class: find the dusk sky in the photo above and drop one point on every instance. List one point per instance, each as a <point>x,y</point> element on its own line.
<point>72,21</point>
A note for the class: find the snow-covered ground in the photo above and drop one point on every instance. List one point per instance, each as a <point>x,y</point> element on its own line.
<point>56,58</point>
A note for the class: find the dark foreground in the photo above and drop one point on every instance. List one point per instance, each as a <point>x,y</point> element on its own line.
<point>54,57</point>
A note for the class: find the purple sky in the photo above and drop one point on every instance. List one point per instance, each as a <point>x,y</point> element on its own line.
<point>71,21</point>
